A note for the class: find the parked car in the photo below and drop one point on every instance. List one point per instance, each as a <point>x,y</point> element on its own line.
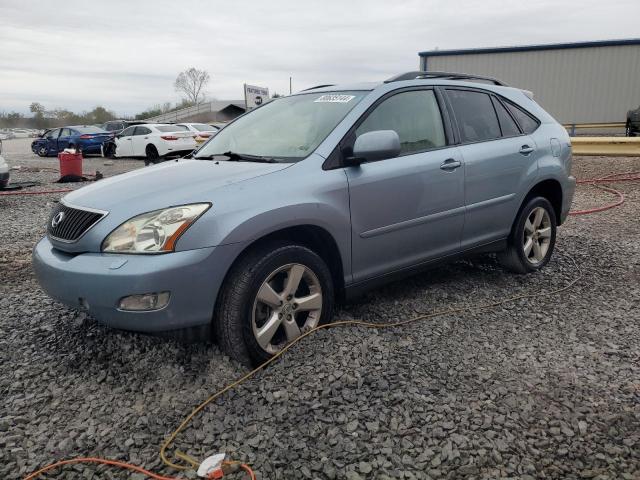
<point>89,139</point>
<point>119,125</point>
<point>6,135</point>
<point>311,197</point>
<point>202,131</point>
<point>633,122</point>
<point>4,170</point>
<point>154,141</point>
<point>21,133</point>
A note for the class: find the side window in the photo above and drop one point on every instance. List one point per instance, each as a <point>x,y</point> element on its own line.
<point>526,121</point>
<point>507,124</point>
<point>477,120</point>
<point>65,132</point>
<point>142,131</point>
<point>415,117</point>
<point>53,134</point>
<point>127,132</point>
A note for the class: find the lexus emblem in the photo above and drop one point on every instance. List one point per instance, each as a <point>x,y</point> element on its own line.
<point>55,221</point>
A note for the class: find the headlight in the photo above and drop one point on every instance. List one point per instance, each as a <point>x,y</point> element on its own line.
<point>153,232</point>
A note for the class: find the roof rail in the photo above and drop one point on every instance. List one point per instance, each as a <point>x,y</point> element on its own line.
<point>420,74</point>
<point>318,86</point>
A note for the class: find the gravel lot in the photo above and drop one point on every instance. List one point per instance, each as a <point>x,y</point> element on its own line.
<point>545,387</point>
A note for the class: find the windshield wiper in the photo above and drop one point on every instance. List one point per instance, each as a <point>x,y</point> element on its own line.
<point>243,157</point>
<point>237,157</point>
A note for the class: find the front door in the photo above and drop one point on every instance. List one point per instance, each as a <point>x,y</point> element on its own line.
<point>139,141</point>
<point>124,143</point>
<point>64,139</point>
<point>409,209</point>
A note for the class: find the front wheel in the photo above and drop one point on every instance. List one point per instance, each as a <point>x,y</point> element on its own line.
<point>272,295</point>
<point>42,151</point>
<point>532,239</point>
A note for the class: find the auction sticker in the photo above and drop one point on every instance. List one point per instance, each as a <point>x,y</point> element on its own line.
<point>334,98</point>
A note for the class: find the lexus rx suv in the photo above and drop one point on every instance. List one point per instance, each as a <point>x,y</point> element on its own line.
<point>311,198</point>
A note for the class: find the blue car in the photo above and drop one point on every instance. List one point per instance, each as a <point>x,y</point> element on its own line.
<point>88,138</point>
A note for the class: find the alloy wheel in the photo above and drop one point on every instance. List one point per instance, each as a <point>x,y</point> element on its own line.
<point>288,303</point>
<point>537,235</point>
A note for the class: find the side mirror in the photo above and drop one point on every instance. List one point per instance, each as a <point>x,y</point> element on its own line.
<point>376,145</point>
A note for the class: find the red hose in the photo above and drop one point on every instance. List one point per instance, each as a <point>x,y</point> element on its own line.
<point>612,178</point>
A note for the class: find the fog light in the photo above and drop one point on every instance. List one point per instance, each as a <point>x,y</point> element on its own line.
<point>144,302</point>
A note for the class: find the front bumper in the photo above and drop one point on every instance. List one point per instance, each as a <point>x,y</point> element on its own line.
<point>96,282</point>
<point>567,198</point>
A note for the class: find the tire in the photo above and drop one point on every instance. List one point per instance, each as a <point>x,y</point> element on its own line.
<point>522,256</point>
<point>629,132</point>
<point>152,155</point>
<point>241,315</point>
<point>43,151</point>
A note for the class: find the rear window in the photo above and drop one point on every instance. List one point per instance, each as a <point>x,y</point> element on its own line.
<point>90,129</point>
<point>172,128</point>
<point>201,127</point>
<point>475,115</point>
<point>527,122</point>
<point>508,125</point>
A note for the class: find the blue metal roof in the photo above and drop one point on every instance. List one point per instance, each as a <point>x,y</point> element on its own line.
<point>531,48</point>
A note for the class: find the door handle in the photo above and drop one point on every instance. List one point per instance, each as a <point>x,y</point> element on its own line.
<point>526,149</point>
<point>450,164</point>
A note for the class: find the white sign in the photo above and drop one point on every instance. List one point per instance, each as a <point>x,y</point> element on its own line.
<point>255,96</point>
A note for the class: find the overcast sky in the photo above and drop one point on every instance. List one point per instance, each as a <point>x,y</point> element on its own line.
<point>125,55</point>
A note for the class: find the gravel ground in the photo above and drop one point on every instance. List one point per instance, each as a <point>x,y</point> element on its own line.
<point>543,387</point>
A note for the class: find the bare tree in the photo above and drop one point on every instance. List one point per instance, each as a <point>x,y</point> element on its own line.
<point>191,83</point>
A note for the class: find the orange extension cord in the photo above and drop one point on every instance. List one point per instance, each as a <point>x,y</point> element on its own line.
<point>126,466</point>
<point>597,182</point>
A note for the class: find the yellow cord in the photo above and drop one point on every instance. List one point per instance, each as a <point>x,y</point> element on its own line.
<point>341,323</point>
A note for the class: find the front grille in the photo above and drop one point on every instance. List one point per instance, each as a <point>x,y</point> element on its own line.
<point>74,223</point>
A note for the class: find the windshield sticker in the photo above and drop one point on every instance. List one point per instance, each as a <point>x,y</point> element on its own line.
<point>334,98</point>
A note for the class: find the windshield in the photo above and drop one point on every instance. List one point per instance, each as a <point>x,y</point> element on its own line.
<point>288,128</point>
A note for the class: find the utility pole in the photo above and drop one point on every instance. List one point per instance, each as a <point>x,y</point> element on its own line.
<point>290,89</point>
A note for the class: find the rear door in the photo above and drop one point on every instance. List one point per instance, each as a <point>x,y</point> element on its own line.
<point>124,142</point>
<point>139,141</point>
<point>408,209</point>
<point>500,160</point>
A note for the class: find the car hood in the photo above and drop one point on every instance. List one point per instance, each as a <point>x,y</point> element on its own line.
<point>166,184</point>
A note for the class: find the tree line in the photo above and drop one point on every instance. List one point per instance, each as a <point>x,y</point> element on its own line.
<point>191,83</point>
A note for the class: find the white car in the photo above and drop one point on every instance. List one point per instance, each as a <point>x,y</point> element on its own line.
<point>153,141</point>
<point>4,170</point>
<point>21,133</point>
<point>202,131</point>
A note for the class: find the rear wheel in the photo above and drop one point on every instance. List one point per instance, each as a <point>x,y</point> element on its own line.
<point>629,131</point>
<point>273,295</point>
<point>532,239</point>
<point>152,155</point>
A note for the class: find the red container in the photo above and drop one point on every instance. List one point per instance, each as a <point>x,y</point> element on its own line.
<point>70,164</point>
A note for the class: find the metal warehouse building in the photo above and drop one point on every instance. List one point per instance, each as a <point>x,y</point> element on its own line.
<point>588,82</point>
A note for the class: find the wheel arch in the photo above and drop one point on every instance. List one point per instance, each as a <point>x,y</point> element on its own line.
<point>315,238</point>
<point>549,188</point>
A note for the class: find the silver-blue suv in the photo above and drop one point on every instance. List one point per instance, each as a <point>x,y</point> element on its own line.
<point>309,198</point>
